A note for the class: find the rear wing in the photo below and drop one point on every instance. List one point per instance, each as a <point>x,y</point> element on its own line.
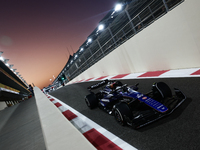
<point>98,85</point>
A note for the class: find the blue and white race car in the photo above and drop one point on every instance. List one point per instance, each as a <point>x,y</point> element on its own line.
<point>132,107</point>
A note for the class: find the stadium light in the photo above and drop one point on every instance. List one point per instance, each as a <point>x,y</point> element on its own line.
<point>7,65</point>
<point>11,66</point>
<point>101,27</point>
<point>81,49</point>
<point>89,40</point>
<point>1,58</point>
<point>75,57</point>
<point>118,7</point>
<point>14,70</point>
<point>6,60</point>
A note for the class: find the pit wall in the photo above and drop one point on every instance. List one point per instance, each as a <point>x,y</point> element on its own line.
<point>171,42</point>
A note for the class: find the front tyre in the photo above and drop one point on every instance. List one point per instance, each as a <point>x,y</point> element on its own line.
<point>91,101</point>
<point>121,112</point>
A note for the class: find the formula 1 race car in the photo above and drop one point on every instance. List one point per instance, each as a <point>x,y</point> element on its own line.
<point>131,107</point>
<point>105,98</point>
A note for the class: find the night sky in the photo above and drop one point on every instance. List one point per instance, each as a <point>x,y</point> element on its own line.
<point>37,36</point>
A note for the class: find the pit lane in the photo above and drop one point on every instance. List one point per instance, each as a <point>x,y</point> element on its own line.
<point>180,130</point>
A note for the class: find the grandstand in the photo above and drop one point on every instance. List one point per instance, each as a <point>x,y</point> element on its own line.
<point>121,23</point>
<point>12,88</point>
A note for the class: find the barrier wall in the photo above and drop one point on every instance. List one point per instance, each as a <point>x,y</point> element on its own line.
<point>171,42</point>
<point>2,105</point>
<point>58,132</point>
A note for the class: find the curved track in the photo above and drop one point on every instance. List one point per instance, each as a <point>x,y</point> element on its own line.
<point>180,130</point>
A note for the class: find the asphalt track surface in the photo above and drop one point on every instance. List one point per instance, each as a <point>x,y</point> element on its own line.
<point>179,131</point>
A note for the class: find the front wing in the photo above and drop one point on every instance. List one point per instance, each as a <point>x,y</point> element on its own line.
<point>148,116</point>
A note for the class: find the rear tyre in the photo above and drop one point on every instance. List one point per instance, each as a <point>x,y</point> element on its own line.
<point>122,113</point>
<point>91,101</point>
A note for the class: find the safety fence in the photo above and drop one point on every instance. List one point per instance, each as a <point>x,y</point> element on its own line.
<point>135,16</point>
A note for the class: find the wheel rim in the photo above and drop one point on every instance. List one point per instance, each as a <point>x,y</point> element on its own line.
<point>87,102</point>
<point>118,116</point>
